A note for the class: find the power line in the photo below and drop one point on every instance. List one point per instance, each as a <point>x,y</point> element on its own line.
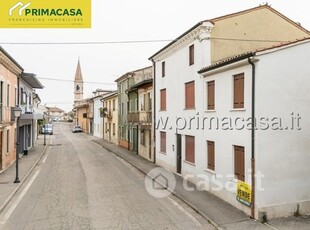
<point>71,81</point>
<point>85,43</point>
<point>130,41</point>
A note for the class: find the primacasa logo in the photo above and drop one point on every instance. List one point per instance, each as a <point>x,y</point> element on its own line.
<point>43,12</point>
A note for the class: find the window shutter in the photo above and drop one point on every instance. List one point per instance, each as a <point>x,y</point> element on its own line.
<point>163,69</point>
<point>191,55</point>
<point>211,95</point>
<point>163,142</point>
<point>190,95</point>
<point>239,162</point>
<point>211,157</point>
<point>239,91</point>
<point>163,99</point>
<point>190,149</point>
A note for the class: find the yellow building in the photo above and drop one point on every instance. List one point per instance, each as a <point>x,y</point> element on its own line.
<point>110,111</point>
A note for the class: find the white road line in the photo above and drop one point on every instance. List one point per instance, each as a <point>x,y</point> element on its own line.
<point>44,159</point>
<point>185,212</point>
<point>11,210</point>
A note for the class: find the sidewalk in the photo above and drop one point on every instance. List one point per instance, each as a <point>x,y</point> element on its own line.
<point>26,164</point>
<point>220,213</point>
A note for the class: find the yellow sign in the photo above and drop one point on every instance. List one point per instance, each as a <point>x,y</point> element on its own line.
<point>45,14</point>
<point>244,193</point>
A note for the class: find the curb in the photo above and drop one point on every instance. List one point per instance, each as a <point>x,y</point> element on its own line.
<point>5,203</point>
<point>209,219</point>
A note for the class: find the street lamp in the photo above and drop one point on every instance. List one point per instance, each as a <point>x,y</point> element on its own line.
<point>44,129</point>
<point>17,113</point>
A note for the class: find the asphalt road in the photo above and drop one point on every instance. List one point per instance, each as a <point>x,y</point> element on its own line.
<point>79,185</point>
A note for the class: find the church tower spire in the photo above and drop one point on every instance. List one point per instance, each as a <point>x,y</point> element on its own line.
<point>78,83</point>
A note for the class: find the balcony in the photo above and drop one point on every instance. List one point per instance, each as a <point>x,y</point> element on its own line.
<point>141,117</point>
<point>145,117</point>
<point>133,117</point>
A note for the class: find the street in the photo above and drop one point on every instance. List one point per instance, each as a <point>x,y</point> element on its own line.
<point>79,185</point>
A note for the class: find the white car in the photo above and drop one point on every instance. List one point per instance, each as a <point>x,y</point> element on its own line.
<point>47,129</point>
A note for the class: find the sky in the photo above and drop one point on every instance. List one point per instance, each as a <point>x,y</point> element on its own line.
<point>112,21</point>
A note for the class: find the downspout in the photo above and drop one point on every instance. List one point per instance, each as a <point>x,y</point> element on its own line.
<point>253,140</point>
<point>154,110</point>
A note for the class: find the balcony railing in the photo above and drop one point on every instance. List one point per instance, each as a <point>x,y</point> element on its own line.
<point>133,117</point>
<point>141,117</point>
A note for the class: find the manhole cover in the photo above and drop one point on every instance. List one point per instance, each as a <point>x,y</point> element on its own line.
<point>55,145</point>
<point>3,182</point>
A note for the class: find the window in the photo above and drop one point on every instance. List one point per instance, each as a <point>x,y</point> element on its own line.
<point>163,142</point>
<point>190,95</point>
<point>8,96</point>
<point>239,162</point>
<point>147,102</point>
<point>163,100</point>
<point>113,129</point>
<point>190,149</point>
<point>109,106</point>
<point>163,69</point>
<point>21,95</point>
<point>191,55</point>
<point>30,99</point>
<point>211,95</point>
<point>15,99</point>
<point>211,158</point>
<point>239,91</point>
<point>113,103</point>
<point>8,141</point>
<point>142,137</point>
<point>122,109</point>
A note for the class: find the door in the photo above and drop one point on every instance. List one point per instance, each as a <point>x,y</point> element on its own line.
<point>135,140</point>
<point>179,153</point>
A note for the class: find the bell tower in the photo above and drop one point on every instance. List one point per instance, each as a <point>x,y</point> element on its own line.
<point>78,83</point>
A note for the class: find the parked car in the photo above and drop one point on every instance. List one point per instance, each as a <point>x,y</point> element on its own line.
<point>47,129</point>
<point>77,129</point>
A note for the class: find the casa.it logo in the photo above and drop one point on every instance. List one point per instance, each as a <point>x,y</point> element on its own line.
<point>20,6</point>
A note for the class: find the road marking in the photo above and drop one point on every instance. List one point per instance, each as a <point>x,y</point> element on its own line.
<point>185,212</point>
<point>44,159</point>
<point>12,208</point>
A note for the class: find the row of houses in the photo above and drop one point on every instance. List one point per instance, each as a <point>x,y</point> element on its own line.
<point>17,88</point>
<point>226,102</point>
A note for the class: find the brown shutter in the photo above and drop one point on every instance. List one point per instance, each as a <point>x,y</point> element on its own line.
<point>211,157</point>
<point>239,162</point>
<point>239,91</point>
<point>163,99</point>
<point>191,55</point>
<point>163,69</point>
<point>163,142</point>
<point>190,95</point>
<point>211,95</point>
<point>190,149</point>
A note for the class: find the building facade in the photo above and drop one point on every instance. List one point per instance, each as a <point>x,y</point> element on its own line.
<point>180,105</point>
<point>275,134</point>
<point>110,116</point>
<point>9,74</point>
<point>128,103</point>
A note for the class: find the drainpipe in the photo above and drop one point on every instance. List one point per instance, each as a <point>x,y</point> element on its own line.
<point>154,109</point>
<point>253,140</point>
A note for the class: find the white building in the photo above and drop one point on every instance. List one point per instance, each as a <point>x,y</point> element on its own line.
<point>98,118</point>
<point>180,103</point>
<point>281,109</point>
